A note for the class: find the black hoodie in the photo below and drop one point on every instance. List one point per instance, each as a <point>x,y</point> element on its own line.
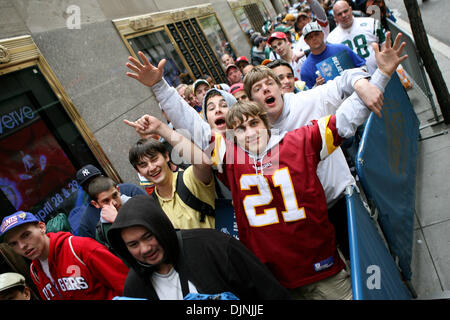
<point>213,261</point>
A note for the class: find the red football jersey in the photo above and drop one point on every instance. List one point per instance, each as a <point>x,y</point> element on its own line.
<point>280,205</point>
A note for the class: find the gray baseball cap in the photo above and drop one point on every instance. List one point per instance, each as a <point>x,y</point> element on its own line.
<point>311,27</point>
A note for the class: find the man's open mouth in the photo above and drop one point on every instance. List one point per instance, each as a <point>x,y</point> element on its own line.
<point>270,100</point>
<point>219,122</point>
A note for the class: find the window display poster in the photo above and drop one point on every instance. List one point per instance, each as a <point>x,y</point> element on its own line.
<point>35,173</point>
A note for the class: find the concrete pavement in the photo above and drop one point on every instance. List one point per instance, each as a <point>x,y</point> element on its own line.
<point>431,250</point>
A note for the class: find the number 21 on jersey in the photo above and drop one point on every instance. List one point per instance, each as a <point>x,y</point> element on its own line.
<point>281,178</point>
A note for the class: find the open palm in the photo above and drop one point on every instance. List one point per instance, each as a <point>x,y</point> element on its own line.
<point>390,56</point>
<point>145,72</point>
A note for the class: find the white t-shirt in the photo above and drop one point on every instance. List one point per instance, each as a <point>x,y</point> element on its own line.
<point>296,65</point>
<point>168,286</point>
<point>46,269</point>
<point>359,37</point>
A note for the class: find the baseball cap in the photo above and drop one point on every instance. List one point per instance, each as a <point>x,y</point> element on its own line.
<point>254,36</point>
<point>276,35</point>
<point>236,87</point>
<point>14,220</point>
<point>229,67</point>
<point>258,40</point>
<point>289,17</point>
<point>241,59</point>
<point>199,82</point>
<point>10,280</point>
<point>311,27</point>
<point>87,172</point>
<point>302,14</point>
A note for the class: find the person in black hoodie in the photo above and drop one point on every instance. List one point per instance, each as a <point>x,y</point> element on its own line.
<point>206,261</point>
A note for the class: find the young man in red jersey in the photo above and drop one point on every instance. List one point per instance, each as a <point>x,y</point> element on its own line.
<point>280,204</point>
<point>64,267</point>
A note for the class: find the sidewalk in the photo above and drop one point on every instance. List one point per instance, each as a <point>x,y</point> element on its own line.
<point>431,249</point>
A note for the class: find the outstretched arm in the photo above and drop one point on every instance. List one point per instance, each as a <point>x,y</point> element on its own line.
<point>353,113</point>
<point>189,151</point>
<point>179,112</point>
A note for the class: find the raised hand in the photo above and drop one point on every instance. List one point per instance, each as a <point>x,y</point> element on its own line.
<point>146,126</point>
<point>390,56</point>
<point>145,72</point>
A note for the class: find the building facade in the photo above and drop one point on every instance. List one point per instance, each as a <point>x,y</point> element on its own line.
<point>64,92</point>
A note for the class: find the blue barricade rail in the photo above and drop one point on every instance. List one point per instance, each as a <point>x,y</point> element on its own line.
<point>225,219</point>
<point>386,164</point>
<point>375,275</point>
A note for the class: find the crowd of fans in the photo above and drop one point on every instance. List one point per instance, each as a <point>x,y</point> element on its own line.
<point>291,219</point>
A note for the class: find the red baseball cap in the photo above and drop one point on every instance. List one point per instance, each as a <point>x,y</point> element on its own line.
<point>241,58</point>
<point>277,35</point>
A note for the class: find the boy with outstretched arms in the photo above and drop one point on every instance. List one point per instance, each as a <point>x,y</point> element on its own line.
<point>312,104</point>
<point>183,117</point>
<point>280,204</point>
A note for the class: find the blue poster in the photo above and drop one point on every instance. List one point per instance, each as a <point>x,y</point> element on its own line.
<point>386,165</point>
<point>333,66</point>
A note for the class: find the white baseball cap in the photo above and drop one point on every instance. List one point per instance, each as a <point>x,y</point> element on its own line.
<point>10,280</point>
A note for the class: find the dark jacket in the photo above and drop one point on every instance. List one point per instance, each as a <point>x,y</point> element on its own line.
<point>213,261</point>
<point>91,215</point>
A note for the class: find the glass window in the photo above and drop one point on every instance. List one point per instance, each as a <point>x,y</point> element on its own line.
<point>216,36</point>
<point>157,46</point>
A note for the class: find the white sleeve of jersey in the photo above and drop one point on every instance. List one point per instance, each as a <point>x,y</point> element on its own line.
<point>182,115</point>
<point>353,112</point>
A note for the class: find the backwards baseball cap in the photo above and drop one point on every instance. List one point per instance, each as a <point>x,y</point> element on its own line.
<point>311,27</point>
<point>277,35</point>
<point>236,87</point>
<point>258,40</point>
<point>87,172</point>
<point>197,83</point>
<point>10,280</point>
<point>14,220</point>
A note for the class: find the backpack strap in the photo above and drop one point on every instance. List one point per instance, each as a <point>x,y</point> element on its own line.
<point>182,269</point>
<point>192,201</point>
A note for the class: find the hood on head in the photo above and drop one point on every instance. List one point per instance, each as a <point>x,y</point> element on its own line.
<point>229,99</point>
<point>142,210</point>
<point>57,241</point>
